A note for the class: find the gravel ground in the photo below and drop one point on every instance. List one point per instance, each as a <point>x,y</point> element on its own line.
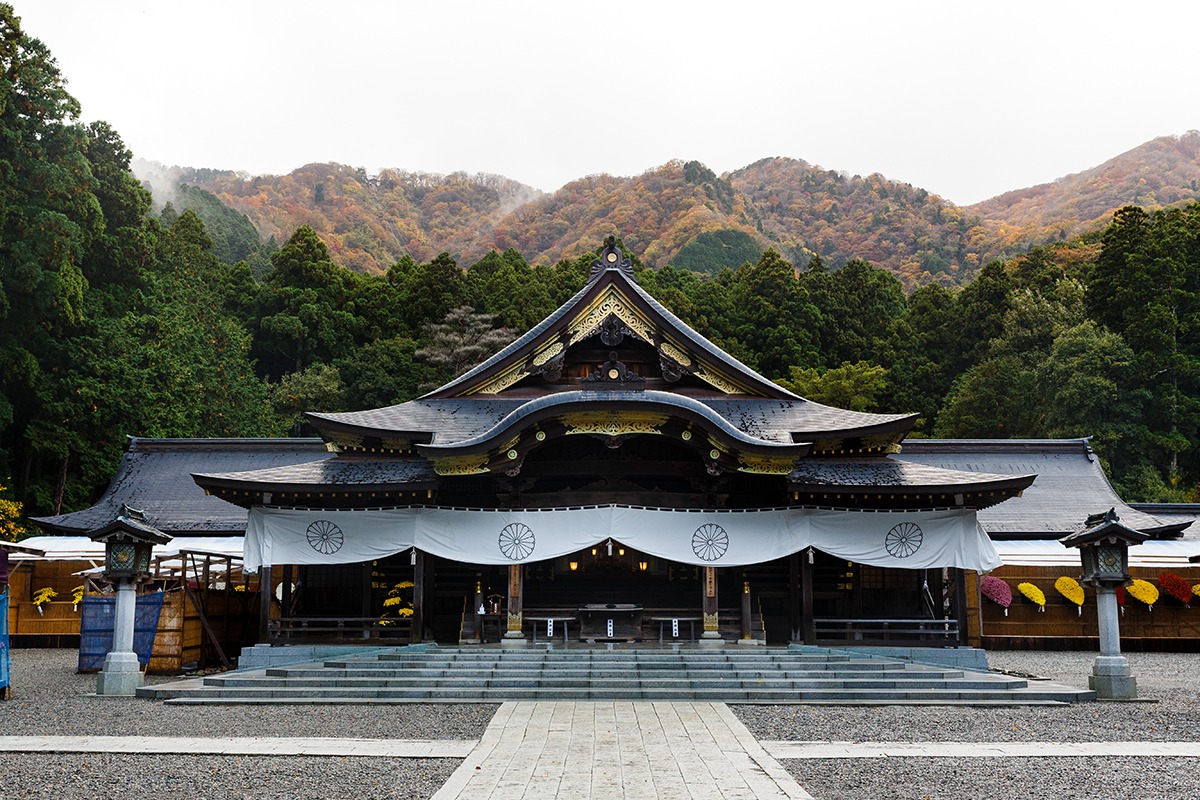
<point>49,698</point>
<point>1170,679</point>
<point>67,776</point>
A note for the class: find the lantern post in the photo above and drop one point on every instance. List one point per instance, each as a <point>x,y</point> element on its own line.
<point>1104,553</point>
<point>128,542</point>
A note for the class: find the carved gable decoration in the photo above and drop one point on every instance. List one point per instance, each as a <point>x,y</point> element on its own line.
<point>612,312</point>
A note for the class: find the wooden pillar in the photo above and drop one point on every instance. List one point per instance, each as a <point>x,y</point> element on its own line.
<point>477,609</point>
<point>515,634</point>
<point>960,606</point>
<point>712,624</point>
<point>417,622</point>
<point>795,629</point>
<point>806,596</point>
<point>286,594</point>
<point>367,579</point>
<point>972,612</point>
<point>265,596</point>
<point>747,613</point>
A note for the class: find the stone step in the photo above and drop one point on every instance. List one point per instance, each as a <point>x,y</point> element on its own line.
<point>559,655</point>
<point>726,695</point>
<point>584,672</point>
<point>445,664</point>
<point>769,675</point>
<point>334,684</point>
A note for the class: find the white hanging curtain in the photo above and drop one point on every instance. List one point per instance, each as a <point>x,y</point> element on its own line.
<point>908,539</point>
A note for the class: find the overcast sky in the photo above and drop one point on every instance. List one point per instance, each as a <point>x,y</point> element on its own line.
<point>965,99</point>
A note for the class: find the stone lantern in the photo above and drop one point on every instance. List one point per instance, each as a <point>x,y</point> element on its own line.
<point>128,542</point>
<point>1104,552</point>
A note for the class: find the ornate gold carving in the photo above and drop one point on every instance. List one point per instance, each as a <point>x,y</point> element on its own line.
<point>474,464</point>
<point>675,354</point>
<point>615,304</point>
<point>397,444</point>
<point>716,381</point>
<point>516,622</point>
<point>550,352</point>
<point>347,440</point>
<point>501,381</point>
<point>765,465</point>
<point>711,623</point>
<point>613,423</point>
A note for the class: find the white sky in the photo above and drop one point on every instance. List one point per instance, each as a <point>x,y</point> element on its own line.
<point>965,99</point>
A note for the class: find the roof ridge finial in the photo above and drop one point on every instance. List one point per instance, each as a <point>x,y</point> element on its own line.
<point>611,257</point>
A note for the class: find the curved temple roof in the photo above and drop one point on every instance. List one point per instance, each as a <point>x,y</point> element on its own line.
<point>1070,485</point>
<point>723,393</point>
<point>891,476</point>
<point>155,476</point>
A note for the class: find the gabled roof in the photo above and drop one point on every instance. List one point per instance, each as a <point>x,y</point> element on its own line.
<point>693,380</point>
<point>155,475</point>
<point>612,292</point>
<point>1070,485</point>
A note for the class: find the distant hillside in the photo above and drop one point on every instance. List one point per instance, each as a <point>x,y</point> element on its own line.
<point>1162,172</point>
<point>917,235</point>
<point>369,221</point>
<point>683,213</point>
<point>657,213</point>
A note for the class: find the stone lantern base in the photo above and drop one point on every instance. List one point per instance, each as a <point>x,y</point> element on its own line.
<point>121,677</point>
<point>1111,679</point>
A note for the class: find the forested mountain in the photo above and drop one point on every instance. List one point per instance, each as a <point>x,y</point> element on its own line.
<point>908,231</point>
<point>683,214</point>
<point>1161,173</point>
<point>369,221</point>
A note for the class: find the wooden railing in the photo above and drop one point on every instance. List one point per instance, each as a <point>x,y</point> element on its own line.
<point>914,632</point>
<point>313,628</point>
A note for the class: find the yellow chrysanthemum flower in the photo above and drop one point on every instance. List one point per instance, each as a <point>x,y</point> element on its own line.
<point>44,595</point>
<point>1143,590</point>
<point>1070,589</point>
<point>1032,593</point>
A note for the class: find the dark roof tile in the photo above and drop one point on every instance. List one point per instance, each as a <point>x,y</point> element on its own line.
<point>1070,484</point>
<point>155,475</point>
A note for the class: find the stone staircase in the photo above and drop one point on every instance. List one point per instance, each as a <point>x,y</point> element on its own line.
<point>732,675</point>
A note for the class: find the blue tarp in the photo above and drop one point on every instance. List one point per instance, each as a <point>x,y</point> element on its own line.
<point>5,663</point>
<point>96,628</point>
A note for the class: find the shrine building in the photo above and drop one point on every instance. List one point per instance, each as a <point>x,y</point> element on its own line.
<point>612,469</point>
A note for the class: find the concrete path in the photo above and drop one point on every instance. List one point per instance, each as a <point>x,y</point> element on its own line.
<point>618,750</point>
<point>239,746</point>
<point>977,749</point>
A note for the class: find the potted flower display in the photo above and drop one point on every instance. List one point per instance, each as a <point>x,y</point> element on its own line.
<point>1175,587</point>
<point>1070,589</point>
<point>997,591</point>
<point>1143,591</point>
<point>1033,594</point>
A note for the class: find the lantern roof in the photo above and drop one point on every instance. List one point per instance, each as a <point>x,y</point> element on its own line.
<point>1105,527</point>
<point>130,525</point>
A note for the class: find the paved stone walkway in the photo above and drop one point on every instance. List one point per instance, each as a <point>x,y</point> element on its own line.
<point>618,751</point>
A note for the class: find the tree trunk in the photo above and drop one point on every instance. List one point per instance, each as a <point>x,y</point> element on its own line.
<point>62,485</point>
